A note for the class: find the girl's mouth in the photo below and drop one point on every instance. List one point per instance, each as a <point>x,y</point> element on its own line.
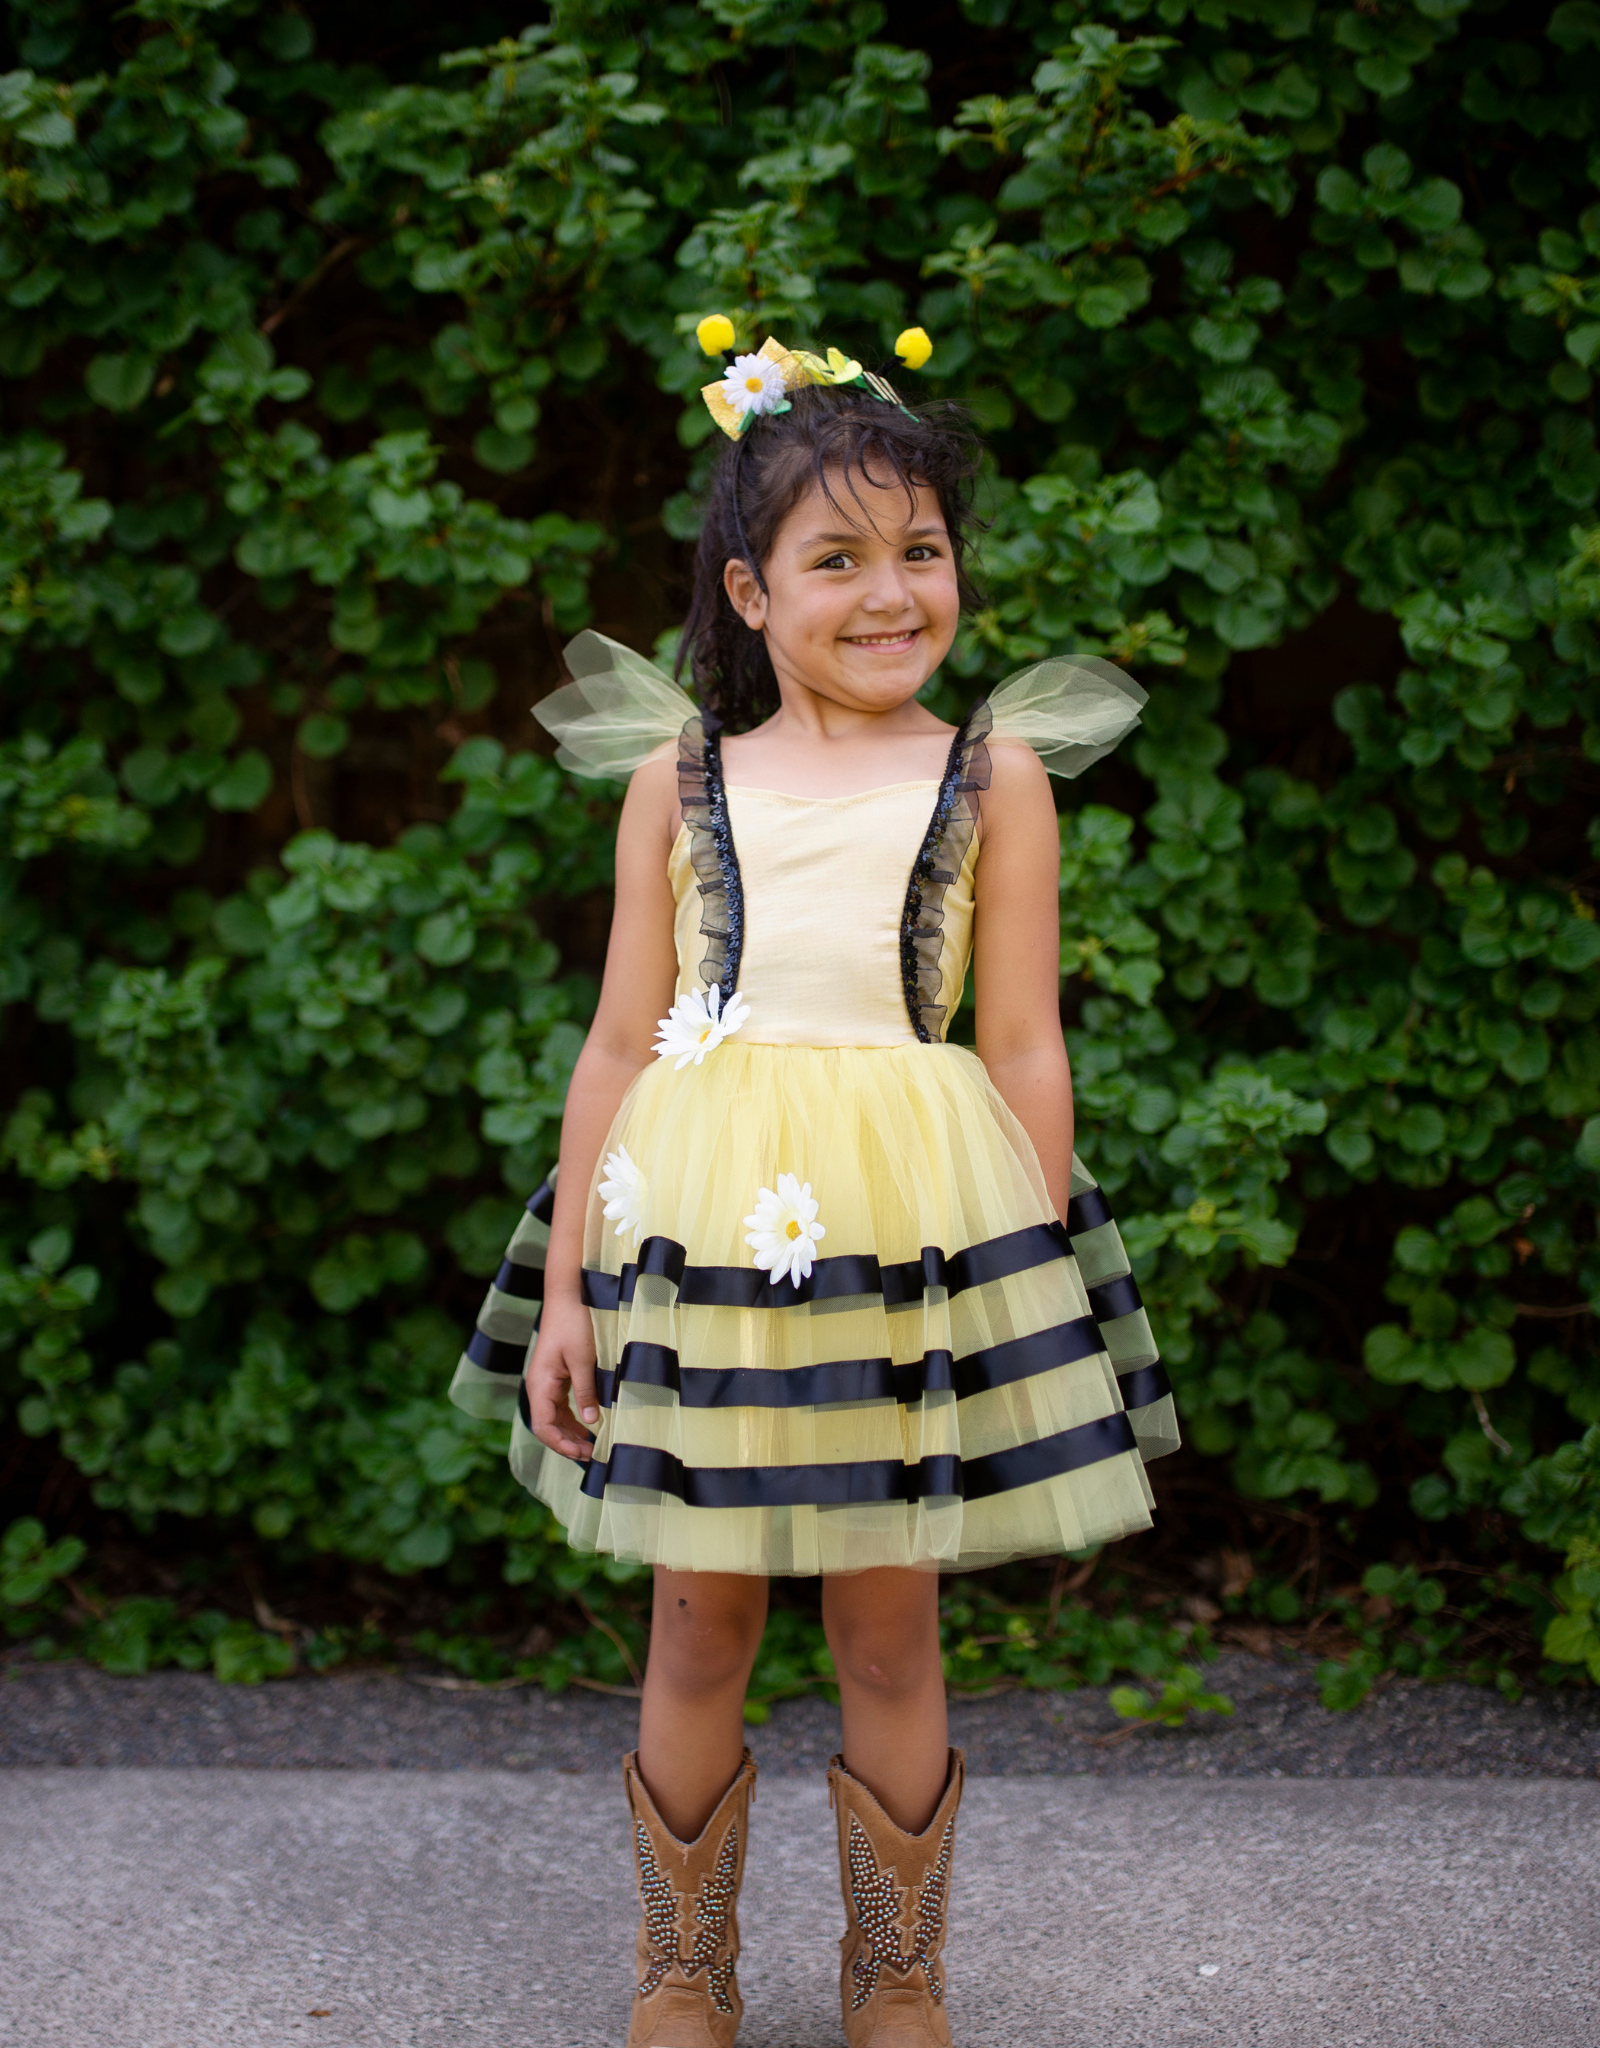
<point>886,643</point>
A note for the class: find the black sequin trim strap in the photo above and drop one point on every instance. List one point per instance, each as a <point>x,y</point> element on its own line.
<point>704,803</point>
<point>944,847</point>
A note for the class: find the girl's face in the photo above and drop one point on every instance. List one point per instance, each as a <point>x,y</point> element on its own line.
<point>861,603</point>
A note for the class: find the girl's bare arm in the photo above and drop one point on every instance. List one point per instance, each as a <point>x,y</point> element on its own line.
<point>641,971</point>
<point>1017,960</point>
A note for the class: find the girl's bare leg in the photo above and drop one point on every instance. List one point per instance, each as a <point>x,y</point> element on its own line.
<point>883,1630</point>
<point>704,1634</point>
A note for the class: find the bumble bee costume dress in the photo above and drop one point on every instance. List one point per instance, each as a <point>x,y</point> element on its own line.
<point>838,1322</point>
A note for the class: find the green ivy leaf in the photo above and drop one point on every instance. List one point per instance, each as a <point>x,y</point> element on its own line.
<point>120,382</point>
<point>243,785</point>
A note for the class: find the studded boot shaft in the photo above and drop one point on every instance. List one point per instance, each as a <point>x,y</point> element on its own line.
<point>687,1995</point>
<point>896,1892</point>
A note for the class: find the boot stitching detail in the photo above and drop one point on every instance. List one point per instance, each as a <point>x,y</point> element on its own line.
<point>878,1899</point>
<point>663,1912</point>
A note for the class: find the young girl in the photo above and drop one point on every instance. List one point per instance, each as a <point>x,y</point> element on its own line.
<point>822,1293</point>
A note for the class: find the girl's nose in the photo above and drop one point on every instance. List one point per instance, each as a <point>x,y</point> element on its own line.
<point>888,590</point>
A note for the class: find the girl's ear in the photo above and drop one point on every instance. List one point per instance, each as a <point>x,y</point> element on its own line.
<point>745,594</point>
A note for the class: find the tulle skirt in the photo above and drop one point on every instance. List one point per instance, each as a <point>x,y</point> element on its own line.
<point>960,1379</point>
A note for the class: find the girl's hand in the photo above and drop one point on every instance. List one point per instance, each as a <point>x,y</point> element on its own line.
<point>562,1365</point>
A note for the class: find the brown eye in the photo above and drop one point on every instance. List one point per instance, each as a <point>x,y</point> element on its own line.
<point>835,562</point>
<point>922,552</point>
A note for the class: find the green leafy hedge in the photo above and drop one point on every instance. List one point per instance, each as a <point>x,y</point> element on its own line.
<point>341,383</point>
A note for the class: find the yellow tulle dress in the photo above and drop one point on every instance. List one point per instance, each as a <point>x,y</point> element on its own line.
<point>838,1322</point>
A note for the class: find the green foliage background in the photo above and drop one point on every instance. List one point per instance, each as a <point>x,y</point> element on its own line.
<point>347,370</point>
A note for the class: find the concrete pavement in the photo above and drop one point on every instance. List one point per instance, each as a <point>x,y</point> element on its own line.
<point>193,1909</point>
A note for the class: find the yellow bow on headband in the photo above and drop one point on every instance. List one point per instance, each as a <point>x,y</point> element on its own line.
<point>761,383</point>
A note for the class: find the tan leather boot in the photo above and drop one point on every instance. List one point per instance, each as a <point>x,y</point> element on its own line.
<point>896,1890</point>
<point>689,1938</point>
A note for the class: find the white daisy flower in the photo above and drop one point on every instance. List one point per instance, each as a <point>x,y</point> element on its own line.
<point>754,384</point>
<point>623,1192</point>
<point>784,1229</point>
<point>697,1024</point>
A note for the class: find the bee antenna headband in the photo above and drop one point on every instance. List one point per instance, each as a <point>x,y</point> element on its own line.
<point>759,383</point>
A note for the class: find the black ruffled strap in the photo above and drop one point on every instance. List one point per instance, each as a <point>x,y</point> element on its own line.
<point>704,802</point>
<point>944,848</point>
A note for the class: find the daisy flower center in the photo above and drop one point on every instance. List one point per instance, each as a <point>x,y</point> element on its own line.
<point>754,384</point>
<point>791,1228</point>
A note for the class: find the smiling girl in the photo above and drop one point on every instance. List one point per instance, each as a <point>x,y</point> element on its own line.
<point>822,1293</point>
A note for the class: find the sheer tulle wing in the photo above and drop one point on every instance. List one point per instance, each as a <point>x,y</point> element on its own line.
<point>615,712</point>
<point>1071,713</point>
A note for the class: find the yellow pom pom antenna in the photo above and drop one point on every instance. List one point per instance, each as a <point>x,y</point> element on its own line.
<point>715,334</point>
<point>913,347</point>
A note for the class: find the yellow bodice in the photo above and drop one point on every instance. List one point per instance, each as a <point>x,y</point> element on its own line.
<point>841,921</point>
<point>824,883</point>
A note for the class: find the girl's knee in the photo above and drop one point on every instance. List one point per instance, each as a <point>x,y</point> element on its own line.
<point>893,1658</point>
<point>704,1638</point>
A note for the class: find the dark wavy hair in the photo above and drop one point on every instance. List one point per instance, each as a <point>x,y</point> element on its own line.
<point>832,436</point>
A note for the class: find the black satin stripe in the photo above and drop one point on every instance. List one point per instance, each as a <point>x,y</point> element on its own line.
<point>932,1373</point>
<point>662,1257</point>
<point>1146,1383</point>
<point>850,1379</point>
<point>800,1386</point>
<point>772,1486</point>
<point>654,1365</point>
<point>599,1290</point>
<point>879,1479</point>
<point>994,1259</point>
<point>495,1355</point>
<point>1022,1358</point>
<point>847,1277</point>
<point>1113,1298</point>
<point>525,1282</point>
<point>1087,1212</point>
<point>1090,1443</point>
<point>807,1386</point>
<point>541,1204</point>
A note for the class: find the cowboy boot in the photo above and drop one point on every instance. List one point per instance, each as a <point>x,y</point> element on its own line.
<point>896,1889</point>
<point>687,1995</point>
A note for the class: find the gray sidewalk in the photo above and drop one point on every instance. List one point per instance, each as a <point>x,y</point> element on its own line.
<point>384,1720</point>
<point>190,1909</point>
